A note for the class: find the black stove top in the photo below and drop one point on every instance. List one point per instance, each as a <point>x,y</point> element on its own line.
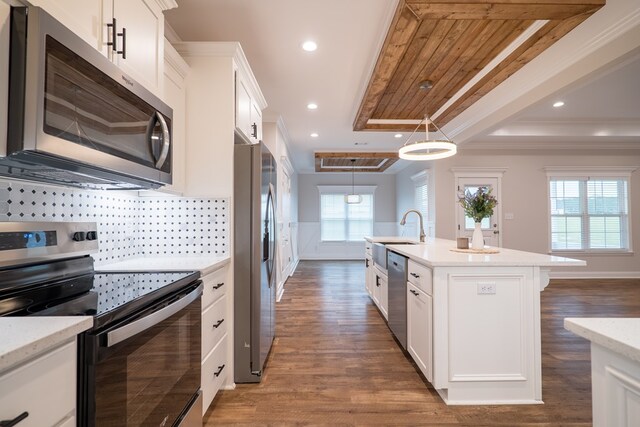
<point>117,289</point>
<point>72,288</point>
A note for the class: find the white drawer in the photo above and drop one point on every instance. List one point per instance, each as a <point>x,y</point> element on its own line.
<point>214,372</point>
<point>214,324</point>
<point>215,285</point>
<point>45,388</point>
<point>367,247</point>
<point>420,276</point>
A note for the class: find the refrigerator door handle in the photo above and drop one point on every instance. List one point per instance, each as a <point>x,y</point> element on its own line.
<point>270,234</point>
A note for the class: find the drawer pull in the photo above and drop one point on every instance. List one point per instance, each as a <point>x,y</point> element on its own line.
<point>414,292</point>
<point>15,421</point>
<point>220,368</point>
<point>218,323</point>
<point>218,286</point>
<point>415,275</point>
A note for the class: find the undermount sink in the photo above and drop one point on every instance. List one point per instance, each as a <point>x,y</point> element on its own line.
<point>399,243</point>
<point>380,250</point>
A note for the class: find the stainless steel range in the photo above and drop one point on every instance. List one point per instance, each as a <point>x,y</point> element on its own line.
<point>140,363</point>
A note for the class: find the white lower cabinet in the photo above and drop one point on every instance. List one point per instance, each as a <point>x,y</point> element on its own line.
<point>215,357</point>
<point>420,329</point>
<point>384,296</point>
<point>215,368</point>
<point>380,291</point>
<point>45,388</point>
<point>369,276</point>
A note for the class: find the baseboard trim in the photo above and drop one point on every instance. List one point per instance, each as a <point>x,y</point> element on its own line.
<point>594,275</point>
<point>280,292</point>
<point>293,269</point>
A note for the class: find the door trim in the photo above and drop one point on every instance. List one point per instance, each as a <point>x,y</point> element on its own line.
<point>481,172</point>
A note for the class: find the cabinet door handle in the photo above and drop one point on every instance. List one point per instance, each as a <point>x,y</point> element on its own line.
<point>113,42</point>
<point>219,371</point>
<point>395,263</point>
<point>218,323</point>
<point>218,286</point>
<point>15,421</point>
<point>377,280</point>
<point>415,275</point>
<point>123,52</point>
<point>366,262</point>
<point>254,130</point>
<point>413,292</point>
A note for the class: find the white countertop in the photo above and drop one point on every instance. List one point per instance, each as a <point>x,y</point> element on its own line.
<point>620,335</point>
<point>151,263</point>
<point>25,337</point>
<point>391,239</point>
<point>437,253</point>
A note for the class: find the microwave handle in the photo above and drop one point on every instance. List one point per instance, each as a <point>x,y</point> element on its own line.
<point>166,140</point>
<point>130,329</point>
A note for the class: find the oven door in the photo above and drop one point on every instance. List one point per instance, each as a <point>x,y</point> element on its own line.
<point>147,369</point>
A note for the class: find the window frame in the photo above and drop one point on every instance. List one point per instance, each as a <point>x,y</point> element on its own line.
<point>425,178</point>
<point>586,174</point>
<point>344,190</point>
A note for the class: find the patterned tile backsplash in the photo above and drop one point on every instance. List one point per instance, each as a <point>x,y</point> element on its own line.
<point>128,224</point>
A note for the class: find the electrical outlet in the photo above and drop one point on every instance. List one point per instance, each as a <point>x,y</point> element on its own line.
<point>486,288</point>
<point>508,215</point>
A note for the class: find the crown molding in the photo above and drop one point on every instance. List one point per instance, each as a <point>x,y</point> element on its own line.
<point>173,59</point>
<point>231,50</point>
<point>166,4</point>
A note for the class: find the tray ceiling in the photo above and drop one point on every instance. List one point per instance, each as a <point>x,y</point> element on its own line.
<point>364,162</point>
<point>465,48</point>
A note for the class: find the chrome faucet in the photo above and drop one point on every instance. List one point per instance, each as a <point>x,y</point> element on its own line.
<point>404,221</point>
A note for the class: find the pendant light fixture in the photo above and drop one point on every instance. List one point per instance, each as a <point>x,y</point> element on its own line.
<point>428,149</point>
<point>353,198</point>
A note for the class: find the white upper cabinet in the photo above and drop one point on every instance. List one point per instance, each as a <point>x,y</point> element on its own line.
<point>175,93</point>
<point>83,17</point>
<point>243,107</point>
<point>249,105</point>
<point>140,41</point>
<point>135,43</point>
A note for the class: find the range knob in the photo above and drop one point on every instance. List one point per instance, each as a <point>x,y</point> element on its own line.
<point>92,235</point>
<point>78,236</point>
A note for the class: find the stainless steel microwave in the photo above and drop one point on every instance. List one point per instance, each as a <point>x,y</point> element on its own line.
<point>75,118</point>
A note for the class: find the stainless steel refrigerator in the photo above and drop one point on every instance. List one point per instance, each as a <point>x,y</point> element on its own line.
<point>254,259</point>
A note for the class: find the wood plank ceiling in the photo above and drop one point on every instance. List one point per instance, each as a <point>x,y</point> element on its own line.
<point>449,42</point>
<point>364,162</point>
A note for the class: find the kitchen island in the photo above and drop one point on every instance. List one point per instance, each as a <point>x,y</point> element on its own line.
<point>474,320</point>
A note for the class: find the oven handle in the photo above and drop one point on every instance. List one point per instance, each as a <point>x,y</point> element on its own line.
<point>127,331</point>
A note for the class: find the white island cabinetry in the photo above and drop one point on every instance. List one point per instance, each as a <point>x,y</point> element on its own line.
<point>474,320</point>
<point>420,328</point>
<point>615,368</point>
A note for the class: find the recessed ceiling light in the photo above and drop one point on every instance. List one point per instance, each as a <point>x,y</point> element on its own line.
<point>397,135</point>
<point>312,106</point>
<point>309,46</point>
<point>314,135</point>
<point>558,104</point>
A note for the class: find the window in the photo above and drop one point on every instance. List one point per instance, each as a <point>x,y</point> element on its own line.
<point>422,198</point>
<point>340,221</point>
<point>589,213</point>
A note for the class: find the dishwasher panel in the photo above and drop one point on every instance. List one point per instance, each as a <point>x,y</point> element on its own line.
<point>397,276</point>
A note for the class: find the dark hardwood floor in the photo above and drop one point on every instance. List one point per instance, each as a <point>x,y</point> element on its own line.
<point>334,361</point>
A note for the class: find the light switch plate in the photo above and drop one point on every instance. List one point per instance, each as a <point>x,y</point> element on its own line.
<point>508,215</point>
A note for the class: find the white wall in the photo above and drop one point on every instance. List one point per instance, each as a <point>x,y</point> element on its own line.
<point>524,194</point>
<point>384,216</point>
